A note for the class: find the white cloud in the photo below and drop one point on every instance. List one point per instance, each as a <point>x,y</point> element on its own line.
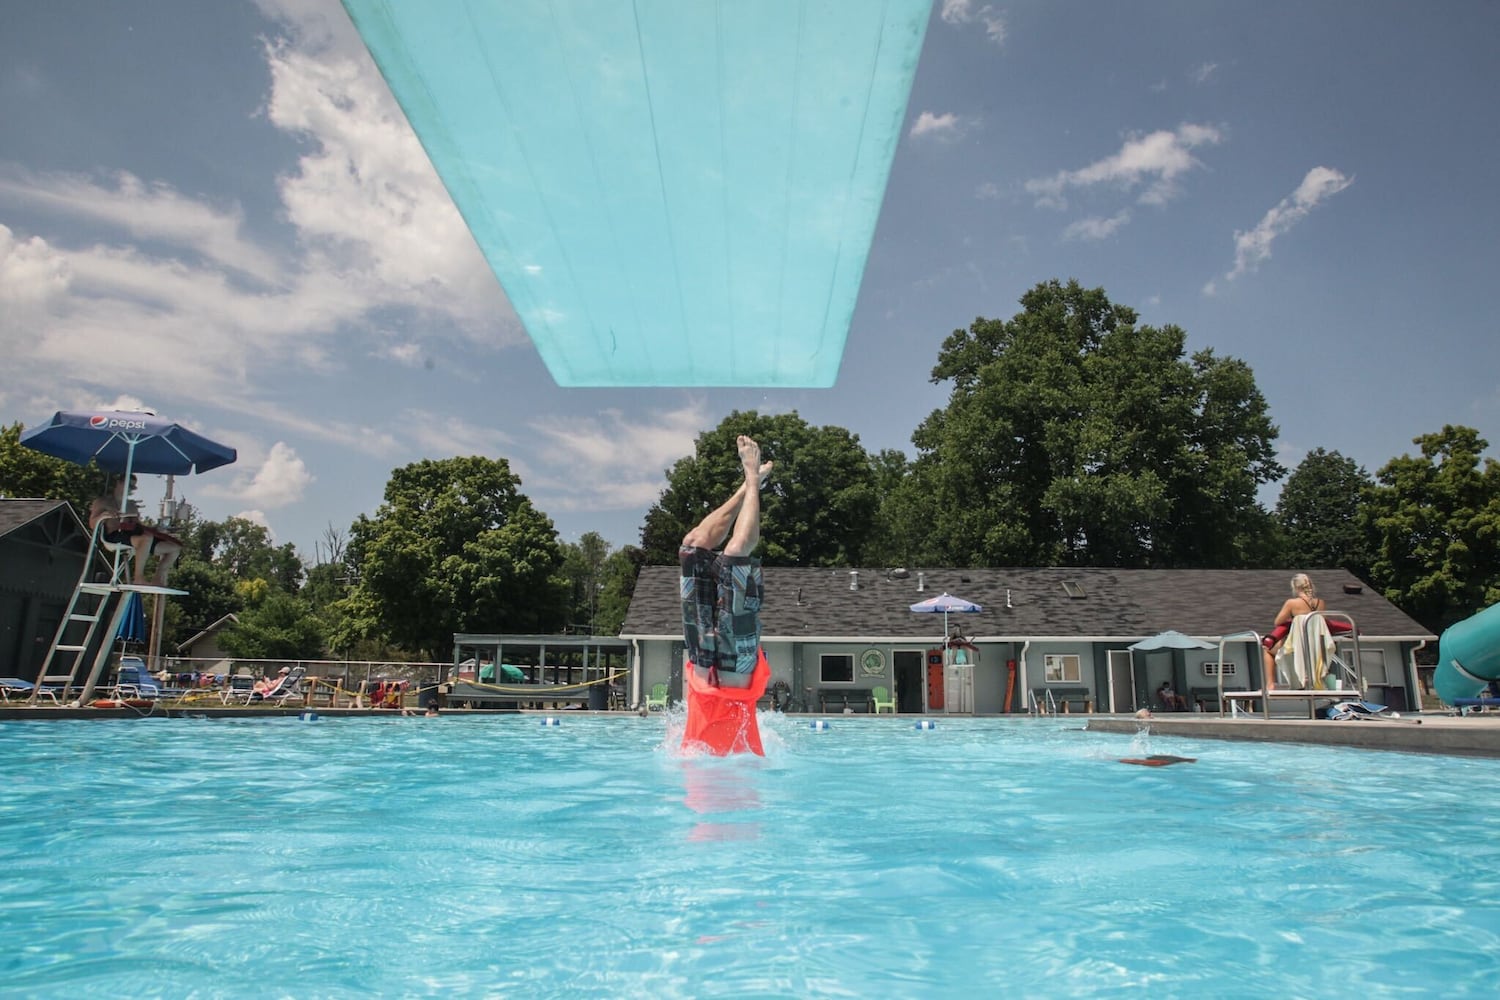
<point>1156,160</point>
<point>988,191</point>
<point>441,436</point>
<point>960,12</point>
<point>613,461</point>
<point>1254,246</point>
<point>254,517</point>
<point>1096,228</point>
<point>365,198</point>
<point>280,480</point>
<point>33,276</point>
<point>939,126</point>
<point>208,313</point>
<point>1204,72</point>
<point>153,212</point>
<point>407,354</point>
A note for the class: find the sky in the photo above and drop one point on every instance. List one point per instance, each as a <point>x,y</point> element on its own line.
<point>218,212</point>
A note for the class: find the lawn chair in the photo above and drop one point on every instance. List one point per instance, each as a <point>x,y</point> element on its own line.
<point>23,690</point>
<point>288,686</point>
<point>657,699</point>
<point>882,701</point>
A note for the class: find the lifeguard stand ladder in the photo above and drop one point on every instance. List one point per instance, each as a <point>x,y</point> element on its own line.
<point>91,604</point>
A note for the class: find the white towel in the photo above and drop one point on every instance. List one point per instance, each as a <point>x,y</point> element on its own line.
<point>1302,661</point>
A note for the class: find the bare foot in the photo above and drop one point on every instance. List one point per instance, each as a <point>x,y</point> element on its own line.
<point>765,473</point>
<point>749,451</point>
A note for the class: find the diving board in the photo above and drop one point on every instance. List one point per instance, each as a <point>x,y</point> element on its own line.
<point>671,192</point>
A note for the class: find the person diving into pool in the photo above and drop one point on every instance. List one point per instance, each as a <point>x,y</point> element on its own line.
<point>721,598</point>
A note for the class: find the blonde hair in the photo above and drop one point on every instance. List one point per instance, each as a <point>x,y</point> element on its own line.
<point>1302,586</point>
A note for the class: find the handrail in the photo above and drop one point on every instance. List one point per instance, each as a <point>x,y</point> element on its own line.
<point>1266,692</point>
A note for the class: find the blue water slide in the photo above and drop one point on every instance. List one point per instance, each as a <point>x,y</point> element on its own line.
<point>1468,656</point>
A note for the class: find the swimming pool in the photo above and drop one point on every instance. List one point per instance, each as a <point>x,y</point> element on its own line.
<point>496,856</point>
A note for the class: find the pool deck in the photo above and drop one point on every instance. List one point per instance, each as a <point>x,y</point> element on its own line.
<point>1470,736</point>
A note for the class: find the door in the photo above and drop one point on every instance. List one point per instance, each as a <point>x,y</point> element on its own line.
<point>1121,681</point>
<point>935,665</point>
<point>906,665</point>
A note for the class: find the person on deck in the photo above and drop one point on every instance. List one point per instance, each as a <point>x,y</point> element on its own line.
<point>1304,601</point>
<point>107,517</point>
<point>1170,699</point>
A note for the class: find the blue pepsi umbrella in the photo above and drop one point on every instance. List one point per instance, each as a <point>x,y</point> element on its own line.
<point>946,602</point>
<point>127,442</point>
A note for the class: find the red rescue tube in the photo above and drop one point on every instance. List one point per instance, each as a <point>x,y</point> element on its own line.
<point>1158,760</point>
<point>722,719</point>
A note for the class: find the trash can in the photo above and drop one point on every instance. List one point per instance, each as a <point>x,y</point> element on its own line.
<point>1392,696</point>
<point>598,698</point>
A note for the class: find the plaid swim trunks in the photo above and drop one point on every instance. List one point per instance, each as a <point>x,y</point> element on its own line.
<point>721,598</point>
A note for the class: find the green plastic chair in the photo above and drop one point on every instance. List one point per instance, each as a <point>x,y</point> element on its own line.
<point>657,698</point>
<point>883,700</point>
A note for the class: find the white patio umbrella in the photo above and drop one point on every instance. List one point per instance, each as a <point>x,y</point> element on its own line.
<point>1170,639</point>
<point>946,602</point>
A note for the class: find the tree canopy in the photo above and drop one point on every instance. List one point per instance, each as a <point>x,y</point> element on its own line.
<point>27,473</point>
<point>1319,513</point>
<point>1435,521</point>
<point>1073,436</point>
<point>817,509</point>
<point>455,547</point>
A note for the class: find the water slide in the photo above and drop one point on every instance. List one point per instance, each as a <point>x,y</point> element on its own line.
<point>1468,656</point>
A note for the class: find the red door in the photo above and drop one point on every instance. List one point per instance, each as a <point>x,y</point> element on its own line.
<point>934,679</point>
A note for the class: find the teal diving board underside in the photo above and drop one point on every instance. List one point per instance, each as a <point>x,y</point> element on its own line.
<point>671,192</point>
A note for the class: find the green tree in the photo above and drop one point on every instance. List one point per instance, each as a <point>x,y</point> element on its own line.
<point>330,577</point>
<point>620,572</point>
<point>583,568</point>
<point>817,509</point>
<point>280,627</point>
<point>210,596</point>
<point>1435,520</point>
<point>27,473</point>
<point>246,550</point>
<point>1075,437</point>
<point>1319,512</point>
<point>897,537</point>
<point>455,547</point>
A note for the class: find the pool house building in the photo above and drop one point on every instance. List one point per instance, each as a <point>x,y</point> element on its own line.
<point>1050,640</point>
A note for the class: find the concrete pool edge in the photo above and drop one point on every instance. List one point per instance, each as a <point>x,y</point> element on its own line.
<point>1466,736</point>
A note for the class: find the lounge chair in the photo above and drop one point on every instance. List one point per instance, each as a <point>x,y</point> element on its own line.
<point>289,685</point>
<point>881,698</point>
<point>23,690</point>
<point>657,699</point>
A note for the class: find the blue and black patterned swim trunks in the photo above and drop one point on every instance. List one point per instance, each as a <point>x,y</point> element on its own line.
<point>721,598</point>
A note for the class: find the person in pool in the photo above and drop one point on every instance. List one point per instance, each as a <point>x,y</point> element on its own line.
<point>721,591</point>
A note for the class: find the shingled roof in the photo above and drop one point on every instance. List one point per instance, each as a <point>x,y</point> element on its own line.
<point>16,513</point>
<point>1116,604</point>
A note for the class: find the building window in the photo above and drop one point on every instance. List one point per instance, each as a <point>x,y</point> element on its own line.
<point>836,668</point>
<point>1061,668</point>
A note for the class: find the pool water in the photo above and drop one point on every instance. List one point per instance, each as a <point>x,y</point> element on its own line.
<point>498,856</point>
